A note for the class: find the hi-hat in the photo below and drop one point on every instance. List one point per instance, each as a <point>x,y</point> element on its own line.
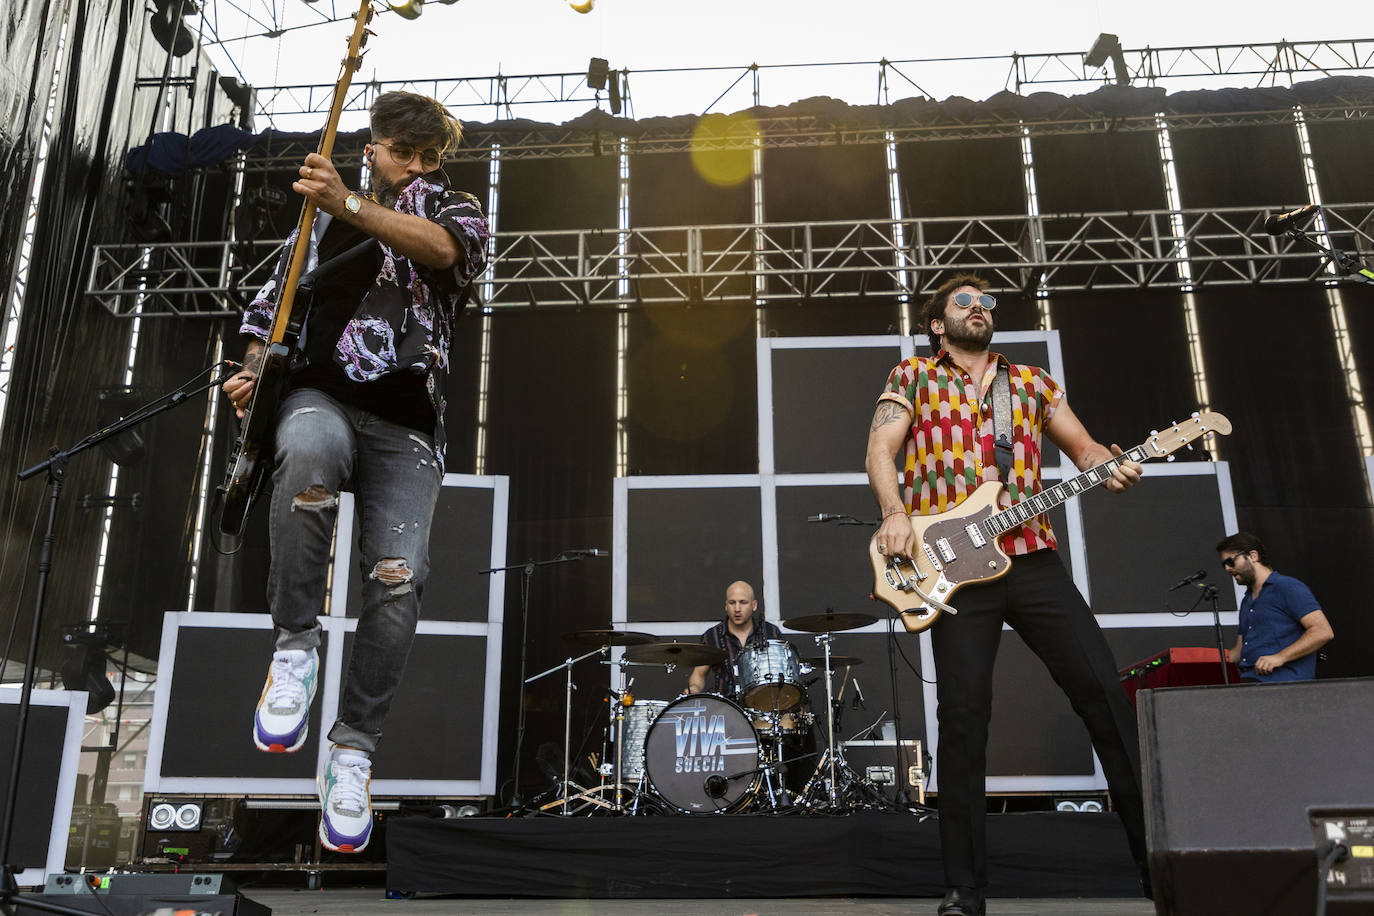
<point>836,661</point>
<point>593,638</point>
<point>675,653</point>
<point>829,622</point>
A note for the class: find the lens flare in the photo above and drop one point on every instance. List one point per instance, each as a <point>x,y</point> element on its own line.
<point>723,148</point>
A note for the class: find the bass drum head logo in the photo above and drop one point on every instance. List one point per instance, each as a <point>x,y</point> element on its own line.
<point>701,754</point>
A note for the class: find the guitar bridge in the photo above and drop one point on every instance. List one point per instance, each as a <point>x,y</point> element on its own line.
<point>898,580</point>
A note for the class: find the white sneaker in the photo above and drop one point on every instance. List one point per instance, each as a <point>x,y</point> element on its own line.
<point>282,719</point>
<point>345,803</point>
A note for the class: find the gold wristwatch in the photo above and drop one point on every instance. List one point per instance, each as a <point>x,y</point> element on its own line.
<point>353,203</point>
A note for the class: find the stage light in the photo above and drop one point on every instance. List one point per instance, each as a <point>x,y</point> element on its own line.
<point>162,816</point>
<point>615,92</point>
<point>584,7</point>
<point>410,9</point>
<point>85,669</point>
<point>188,816</point>
<point>597,71</point>
<point>1108,47</point>
<point>169,26</point>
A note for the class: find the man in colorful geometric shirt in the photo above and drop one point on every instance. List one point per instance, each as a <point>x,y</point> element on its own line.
<point>1281,624</point>
<point>938,413</point>
<point>391,273</point>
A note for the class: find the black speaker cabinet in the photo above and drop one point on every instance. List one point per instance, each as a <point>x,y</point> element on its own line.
<point>1229,775</point>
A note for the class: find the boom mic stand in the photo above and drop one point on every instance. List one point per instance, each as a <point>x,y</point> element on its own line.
<point>526,574</point>
<point>56,469</point>
<point>1209,593</point>
<point>1346,265</point>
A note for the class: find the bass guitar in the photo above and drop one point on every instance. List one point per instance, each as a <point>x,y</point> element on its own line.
<point>960,546</point>
<point>250,458</point>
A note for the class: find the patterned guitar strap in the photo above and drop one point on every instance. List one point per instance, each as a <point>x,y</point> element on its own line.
<point>1001,423</point>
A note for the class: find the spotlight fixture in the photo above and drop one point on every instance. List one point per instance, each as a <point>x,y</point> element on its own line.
<point>188,816</point>
<point>1108,47</point>
<point>84,667</point>
<point>409,9</point>
<point>168,26</point>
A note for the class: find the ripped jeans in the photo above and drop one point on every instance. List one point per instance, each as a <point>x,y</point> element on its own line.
<point>323,447</point>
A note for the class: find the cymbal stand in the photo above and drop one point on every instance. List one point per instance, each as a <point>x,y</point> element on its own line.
<point>567,666</point>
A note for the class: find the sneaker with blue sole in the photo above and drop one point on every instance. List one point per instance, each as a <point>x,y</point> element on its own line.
<point>282,719</point>
<point>345,803</point>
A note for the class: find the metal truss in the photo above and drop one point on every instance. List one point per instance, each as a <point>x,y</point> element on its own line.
<point>799,262</point>
<point>556,142</point>
<point>1266,63</point>
<point>1259,64</point>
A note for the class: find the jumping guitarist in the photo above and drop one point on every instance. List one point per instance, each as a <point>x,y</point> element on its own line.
<point>939,413</point>
<point>364,413</point>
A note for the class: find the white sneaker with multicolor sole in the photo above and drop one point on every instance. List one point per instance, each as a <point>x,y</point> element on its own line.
<point>345,802</point>
<point>282,720</point>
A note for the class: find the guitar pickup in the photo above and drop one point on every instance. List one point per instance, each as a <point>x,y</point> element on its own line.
<point>934,560</point>
<point>946,550</point>
<point>975,535</point>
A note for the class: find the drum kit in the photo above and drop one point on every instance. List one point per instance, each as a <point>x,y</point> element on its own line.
<point>706,753</point>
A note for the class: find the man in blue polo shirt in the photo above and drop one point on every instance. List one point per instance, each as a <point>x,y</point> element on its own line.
<point>1281,624</point>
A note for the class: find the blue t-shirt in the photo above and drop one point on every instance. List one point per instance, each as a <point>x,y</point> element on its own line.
<point>1271,623</point>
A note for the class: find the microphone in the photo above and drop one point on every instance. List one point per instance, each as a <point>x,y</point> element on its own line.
<point>715,786</point>
<point>1189,579</point>
<point>589,552</point>
<point>858,696</point>
<point>824,517</point>
<point>1278,225</point>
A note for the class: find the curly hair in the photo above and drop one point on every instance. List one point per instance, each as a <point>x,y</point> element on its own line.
<point>934,308</point>
<point>414,119</point>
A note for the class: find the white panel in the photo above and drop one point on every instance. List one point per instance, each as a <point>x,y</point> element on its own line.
<point>74,701</point>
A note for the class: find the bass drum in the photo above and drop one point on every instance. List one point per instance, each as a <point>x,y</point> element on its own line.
<point>700,755</point>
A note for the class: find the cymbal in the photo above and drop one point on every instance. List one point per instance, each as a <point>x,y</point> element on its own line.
<point>675,653</point>
<point>829,622</point>
<point>836,661</point>
<point>593,638</point>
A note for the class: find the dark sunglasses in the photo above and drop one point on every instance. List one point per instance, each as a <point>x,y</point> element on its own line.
<point>1230,561</point>
<point>966,300</point>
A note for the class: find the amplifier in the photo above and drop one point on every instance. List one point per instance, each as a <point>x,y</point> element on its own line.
<point>877,762</point>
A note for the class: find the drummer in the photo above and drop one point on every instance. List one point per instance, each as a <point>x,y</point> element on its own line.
<point>742,627</point>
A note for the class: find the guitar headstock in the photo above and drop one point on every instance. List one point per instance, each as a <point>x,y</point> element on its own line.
<point>1199,426</point>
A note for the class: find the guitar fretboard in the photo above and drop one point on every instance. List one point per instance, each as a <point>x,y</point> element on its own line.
<point>1047,499</point>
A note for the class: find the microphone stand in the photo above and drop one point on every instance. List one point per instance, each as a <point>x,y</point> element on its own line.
<point>526,574</point>
<point>56,470</point>
<point>1346,265</point>
<point>1210,593</point>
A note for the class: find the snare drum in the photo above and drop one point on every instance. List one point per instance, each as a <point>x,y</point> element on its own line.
<point>638,718</point>
<point>700,755</point>
<point>770,676</point>
<point>775,725</point>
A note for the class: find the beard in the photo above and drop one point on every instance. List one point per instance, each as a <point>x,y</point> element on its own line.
<point>963,333</point>
<point>389,194</point>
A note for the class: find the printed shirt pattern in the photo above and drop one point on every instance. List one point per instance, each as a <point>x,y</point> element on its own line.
<point>405,321</point>
<point>726,674</point>
<point>949,450</point>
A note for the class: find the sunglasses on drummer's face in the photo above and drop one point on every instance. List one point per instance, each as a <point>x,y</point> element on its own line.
<point>966,300</point>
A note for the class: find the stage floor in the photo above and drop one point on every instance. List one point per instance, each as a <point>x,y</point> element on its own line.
<point>370,902</point>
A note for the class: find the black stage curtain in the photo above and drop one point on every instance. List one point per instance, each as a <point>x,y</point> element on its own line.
<point>964,178</point>
<point>1343,153</point>
<point>1295,464</point>
<point>68,348</point>
<point>1247,166</point>
<point>28,40</point>
<point>551,416</point>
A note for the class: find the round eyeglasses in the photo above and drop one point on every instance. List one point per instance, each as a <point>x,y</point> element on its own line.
<point>401,154</point>
<point>966,300</point>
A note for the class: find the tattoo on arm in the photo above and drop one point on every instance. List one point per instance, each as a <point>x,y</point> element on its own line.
<point>888,413</point>
<point>252,357</point>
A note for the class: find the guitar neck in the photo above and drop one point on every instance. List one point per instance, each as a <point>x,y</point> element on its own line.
<point>1027,509</point>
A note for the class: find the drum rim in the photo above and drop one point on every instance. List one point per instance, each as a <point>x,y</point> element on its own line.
<point>750,791</point>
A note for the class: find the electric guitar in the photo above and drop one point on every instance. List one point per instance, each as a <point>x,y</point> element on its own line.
<point>960,546</point>
<point>250,459</point>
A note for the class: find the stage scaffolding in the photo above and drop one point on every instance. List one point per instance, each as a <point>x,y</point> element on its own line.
<point>800,262</point>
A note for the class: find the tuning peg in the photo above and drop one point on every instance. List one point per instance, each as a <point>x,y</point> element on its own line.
<point>1189,446</point>
<point>1196,415</point>
<point>1171,458</point>
<point>1154,432</point>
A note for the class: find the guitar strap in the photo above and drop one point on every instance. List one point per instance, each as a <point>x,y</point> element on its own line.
<point>1001,422</point>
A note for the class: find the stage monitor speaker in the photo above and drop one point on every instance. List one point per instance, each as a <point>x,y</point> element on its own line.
<point>1230,773</point>
<point>142,894</point>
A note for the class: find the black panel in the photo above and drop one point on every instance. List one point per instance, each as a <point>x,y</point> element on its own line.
<point>1341,152</point>
<point>434,730</point>
<point>1142,542</point>
<point>692,391</point>
<point>880,654</point>
<point>825,564</point>
<point>1034,731</point>
<point>459,545</point>
<point>38,772</point>
<point>876,313</point>
<point>1085,173</point>
<point>964,178</point>
<point>1246,166</point>
<point>472,177</point>
<point>217,677</point>
<point>823,400</point>
<point>686,546</point>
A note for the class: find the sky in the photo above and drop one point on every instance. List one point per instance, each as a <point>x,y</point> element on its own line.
<point>479,38</point>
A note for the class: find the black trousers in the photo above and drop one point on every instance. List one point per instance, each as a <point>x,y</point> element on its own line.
<point>1039,600</point>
